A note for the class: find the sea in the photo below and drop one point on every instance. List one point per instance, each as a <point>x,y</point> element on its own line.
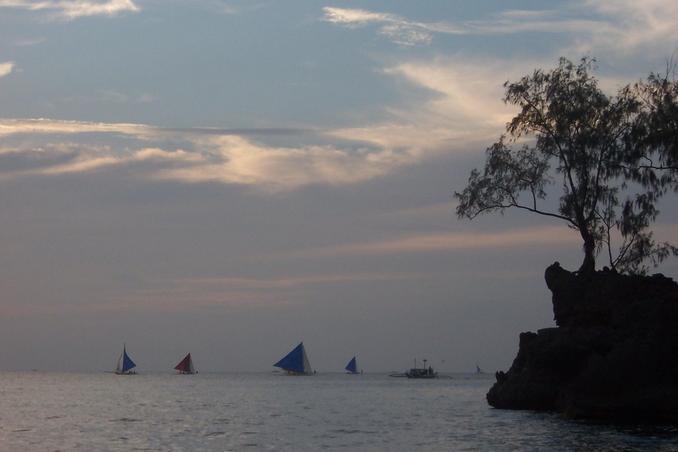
<point>42,411</point>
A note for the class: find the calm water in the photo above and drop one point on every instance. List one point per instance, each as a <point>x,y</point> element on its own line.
<point>51,411</point>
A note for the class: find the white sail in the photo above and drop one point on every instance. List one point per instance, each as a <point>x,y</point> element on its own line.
<point>118,367</point>
<point>307,364</point>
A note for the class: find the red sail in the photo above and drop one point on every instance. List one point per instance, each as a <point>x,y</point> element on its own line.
<point>185,364</point>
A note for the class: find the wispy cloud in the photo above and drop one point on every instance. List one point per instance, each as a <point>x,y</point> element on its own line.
<point>241,283</point>
<point>631,27</point>
<point>398,29</point>
<point>48,126</point>
<point>45,126</point>
<point>407,32</point>
<point>28,42</point>
<point>619,26</point>
<point>443,209</point>
<point>236,160</point>
<point>213,157</point>
<point>6,68</point>
<point>462,112</point>
<point>74,9</point>
<point>444,242</point>
<point>85,163</point>
<point>244,291</point>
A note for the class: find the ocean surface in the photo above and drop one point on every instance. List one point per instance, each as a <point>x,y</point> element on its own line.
<point>264,411</point>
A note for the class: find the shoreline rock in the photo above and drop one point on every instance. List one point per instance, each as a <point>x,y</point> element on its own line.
<point>613,355</point>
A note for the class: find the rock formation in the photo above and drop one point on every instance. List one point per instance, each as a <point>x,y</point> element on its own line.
<point>613,356</point>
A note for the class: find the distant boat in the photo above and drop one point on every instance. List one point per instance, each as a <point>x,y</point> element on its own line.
<point>185,367</point>
<point>352,367</point>
<point>296,362</point>
<point>421,372</point>
<point>125,364</point>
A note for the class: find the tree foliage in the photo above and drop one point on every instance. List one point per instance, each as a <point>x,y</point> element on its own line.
<point>613,156</point>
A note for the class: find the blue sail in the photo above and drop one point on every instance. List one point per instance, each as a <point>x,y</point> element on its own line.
<point>127,362</point>
<point>352,367</point>
<point>295,361</point>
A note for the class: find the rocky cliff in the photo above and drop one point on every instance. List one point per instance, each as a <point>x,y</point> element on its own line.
<point>613,356</point>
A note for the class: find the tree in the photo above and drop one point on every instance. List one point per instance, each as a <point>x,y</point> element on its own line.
<point>597,147</point>
<point>654,163</point>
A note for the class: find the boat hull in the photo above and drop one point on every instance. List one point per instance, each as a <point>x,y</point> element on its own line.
<point>298,374</point>
<point>421,373</point>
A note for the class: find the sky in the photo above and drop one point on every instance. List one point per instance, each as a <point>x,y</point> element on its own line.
<point>230,178</point>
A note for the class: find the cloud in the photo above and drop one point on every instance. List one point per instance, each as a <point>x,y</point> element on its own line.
<point>6,68</point>
<point>619,26</point>
<point>203,292</point>
<point>631,27</point>
<point>84,163</point>
<point>28,42</point>
<point>240,283</point>
<point>442,209</point>
<point>45,126</point>
<point>357,17</point>
<point>212,157</point>
<point>462,112</point>
<point>86,159</point>
<point>444,243</point>
<point>237,160</point>
<point>396,28</point>
<point>74,9</point>
<point>48,126</point>
<point>406,32</point>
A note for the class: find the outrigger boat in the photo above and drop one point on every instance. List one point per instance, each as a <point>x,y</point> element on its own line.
<point>125,364</point>
<point>421,372</point>
<point>296,362</point>
<point>185,367</point>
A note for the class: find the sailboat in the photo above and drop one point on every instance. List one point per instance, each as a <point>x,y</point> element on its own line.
<point>296,362</point>
<point>125,364</point>
<point>352,367</point>
<point>185,367</point>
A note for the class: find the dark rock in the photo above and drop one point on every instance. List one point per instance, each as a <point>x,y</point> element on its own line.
<point>613,356</point>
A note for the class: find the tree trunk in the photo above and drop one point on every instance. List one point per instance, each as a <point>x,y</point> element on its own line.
<point>589,264</point>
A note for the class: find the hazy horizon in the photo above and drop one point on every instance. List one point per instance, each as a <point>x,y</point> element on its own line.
<point>230,178</point>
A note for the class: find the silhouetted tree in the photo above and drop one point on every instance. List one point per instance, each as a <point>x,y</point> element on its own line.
<point>614,156</point>
<point>654,163</point>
